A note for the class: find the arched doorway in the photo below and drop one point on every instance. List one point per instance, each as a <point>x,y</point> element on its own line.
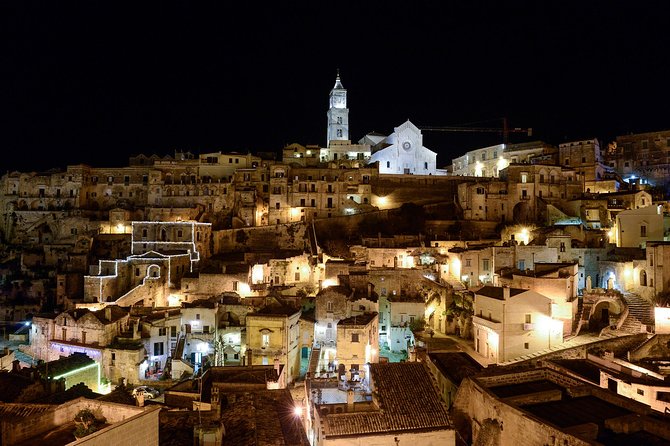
<point>521,213</point>
<point>600,316</point>
<point>643,278</point>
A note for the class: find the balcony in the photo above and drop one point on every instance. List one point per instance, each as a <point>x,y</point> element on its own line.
<point>528,327</point>
<point>479,320</point>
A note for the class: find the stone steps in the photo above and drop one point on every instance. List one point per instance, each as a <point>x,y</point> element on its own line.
<point>314,360</point>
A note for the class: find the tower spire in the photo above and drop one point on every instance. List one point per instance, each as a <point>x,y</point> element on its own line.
<point>338,81</point>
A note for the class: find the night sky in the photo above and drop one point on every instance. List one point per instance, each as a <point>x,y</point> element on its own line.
<point>94,83</point>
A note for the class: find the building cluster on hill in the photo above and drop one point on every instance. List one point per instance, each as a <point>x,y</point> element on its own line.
<point>343,294</point>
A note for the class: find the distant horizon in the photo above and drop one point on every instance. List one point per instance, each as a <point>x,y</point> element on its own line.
<point>171,152</point>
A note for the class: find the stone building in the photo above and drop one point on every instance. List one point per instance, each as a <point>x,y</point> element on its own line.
<point>148,278</point>
<point>357,346</point>
<point>511,322</point>
<point>404,153</point>
<point>521,194</point>
<point>641,158</point>
<point>107,336</point>
<point>160,333</point>
<point>168,237</point>
<point>489,161</point>
<point>44,424</point>
<point>398,413</point>
<point>636,227</point>
<point>586,158</point>
<point>217,166</point>
<point>545,406</point>
<point>273,335</point>
<point>655,275</point>
<point>557,281</point>
<point>599,211</point>
<point>332,305</point>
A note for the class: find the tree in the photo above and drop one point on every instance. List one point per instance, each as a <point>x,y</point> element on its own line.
<point>417,325</point>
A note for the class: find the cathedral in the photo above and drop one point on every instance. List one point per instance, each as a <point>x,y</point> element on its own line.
<point>401,152</point>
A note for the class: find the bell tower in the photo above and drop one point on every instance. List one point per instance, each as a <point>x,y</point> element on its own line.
<point>338,113</point>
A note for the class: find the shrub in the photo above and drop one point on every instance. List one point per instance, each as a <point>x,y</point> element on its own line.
<point>86,423</point>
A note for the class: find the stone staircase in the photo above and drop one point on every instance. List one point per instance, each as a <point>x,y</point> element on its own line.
<point>582,317</point>
<point>314,361</point>
<point>640,314</point>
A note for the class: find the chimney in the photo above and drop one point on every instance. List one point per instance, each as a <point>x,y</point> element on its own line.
<point>350,400</point>
<point>412,355</point>
<point>16,367</point>
<point>249,355</point>
<point>108,313</point>
<point>505,292</point>
<point>369,289</point>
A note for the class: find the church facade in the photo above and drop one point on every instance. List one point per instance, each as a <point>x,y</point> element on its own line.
<point>403,152</point>
<point>400,153</point>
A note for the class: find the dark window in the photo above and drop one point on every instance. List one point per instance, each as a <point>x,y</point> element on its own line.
<point>354,337</point>
<point>158,348</point>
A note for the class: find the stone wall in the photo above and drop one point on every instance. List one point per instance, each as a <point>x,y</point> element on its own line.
<point>263,238</point>
<point>128,424</point>
<point>477,412</point>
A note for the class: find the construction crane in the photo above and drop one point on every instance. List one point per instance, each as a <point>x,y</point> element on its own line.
<point>504,130</point>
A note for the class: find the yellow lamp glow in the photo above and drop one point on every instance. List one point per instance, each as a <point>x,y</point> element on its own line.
<point>455,267</point>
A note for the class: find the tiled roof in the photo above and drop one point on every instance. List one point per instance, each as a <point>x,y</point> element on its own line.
<point>361,319</point>
<point>408,401</point>
<point>22,410</point>
<point>252,418</point>
<point>262,418</point>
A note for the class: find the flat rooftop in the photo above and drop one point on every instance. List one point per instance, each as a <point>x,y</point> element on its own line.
<point>525,388</point>
<point>576,411</point>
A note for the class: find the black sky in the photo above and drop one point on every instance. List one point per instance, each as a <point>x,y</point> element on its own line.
<point>92,82</point>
